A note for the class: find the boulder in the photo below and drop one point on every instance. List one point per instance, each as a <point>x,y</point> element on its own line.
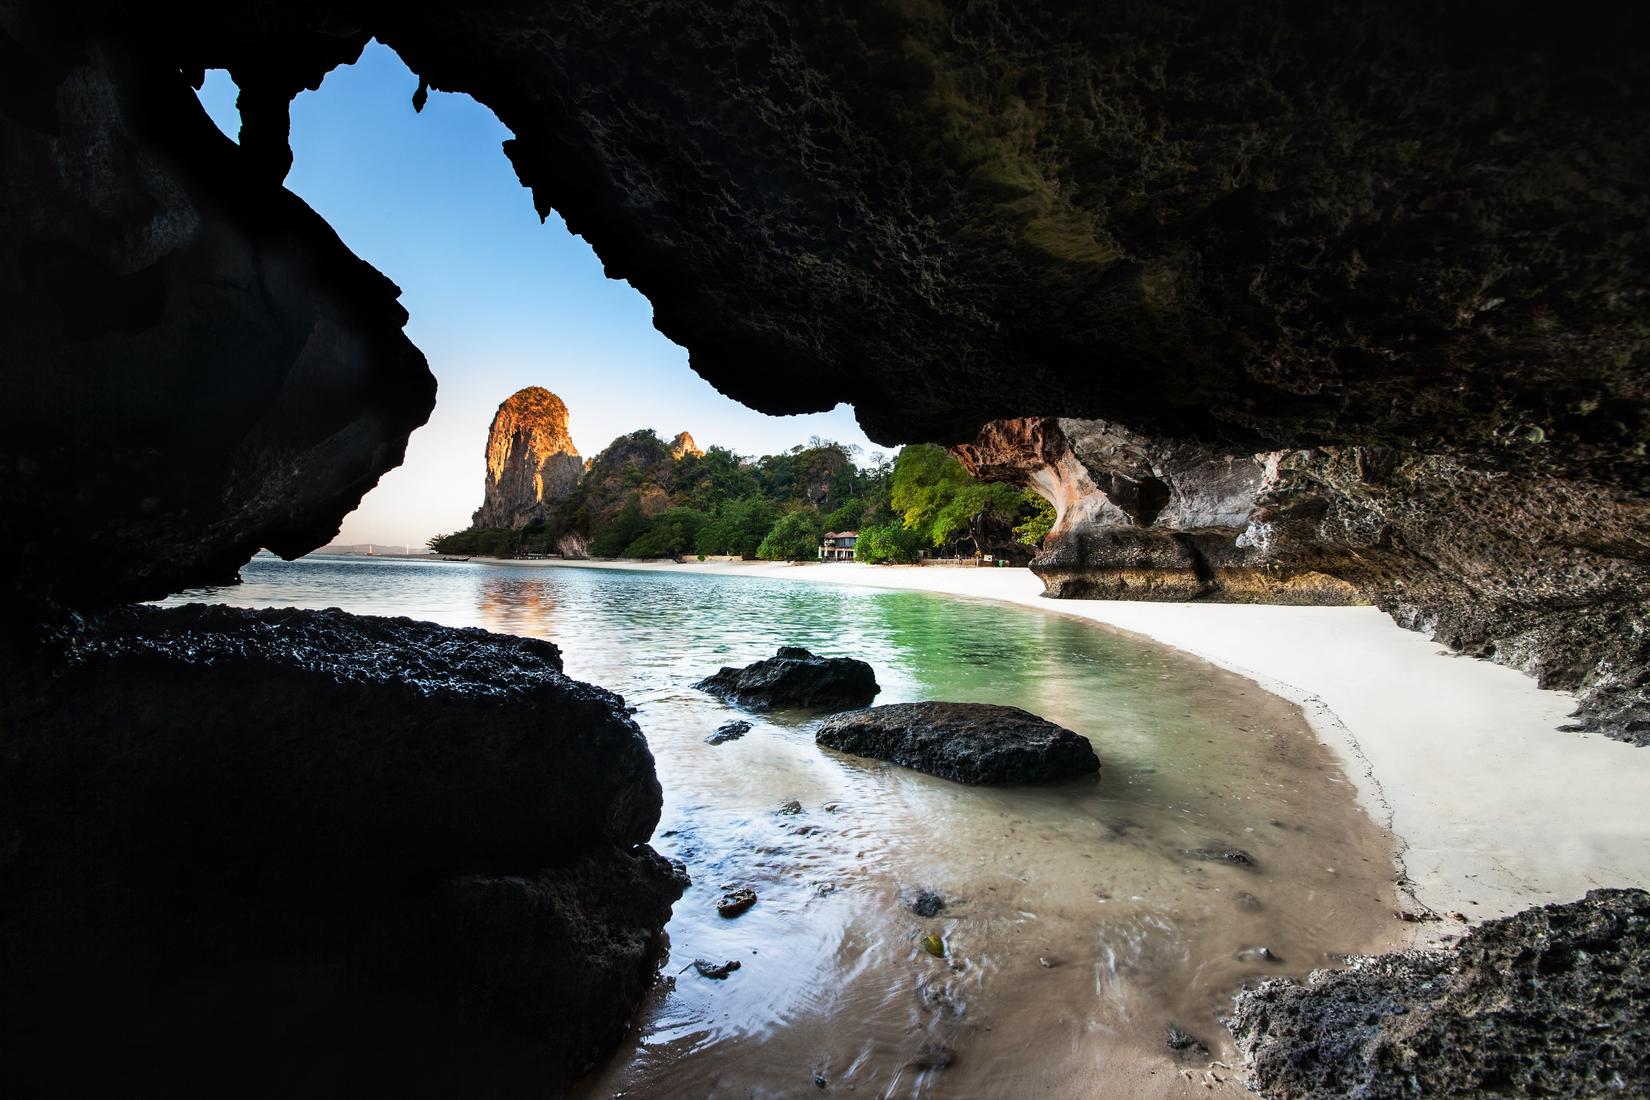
<point>796,678</point>
<point>969,742</point>
<point>250,832</point>
<point>1553,1001</point>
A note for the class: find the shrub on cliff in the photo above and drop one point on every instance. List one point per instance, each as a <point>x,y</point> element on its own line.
<point>670,534</point>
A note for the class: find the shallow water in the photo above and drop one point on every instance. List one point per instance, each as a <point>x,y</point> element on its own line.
<point>1076,927</point>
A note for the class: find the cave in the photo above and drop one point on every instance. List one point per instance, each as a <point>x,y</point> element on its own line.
<point>1275,305</point>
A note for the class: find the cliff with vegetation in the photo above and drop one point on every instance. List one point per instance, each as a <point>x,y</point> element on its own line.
<point>643,498</point>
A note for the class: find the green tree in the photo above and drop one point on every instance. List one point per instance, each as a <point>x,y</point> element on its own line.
<point>739,528</point>
<point>1038,520</point>
<point>671,534</point>
<point>626,529</point>
<point>890,543</point>
<point>795,537</point>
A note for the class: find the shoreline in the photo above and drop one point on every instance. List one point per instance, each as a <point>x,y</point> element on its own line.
<point>1492,808</point>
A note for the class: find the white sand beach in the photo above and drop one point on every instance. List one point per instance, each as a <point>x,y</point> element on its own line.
<point>1495,809</point>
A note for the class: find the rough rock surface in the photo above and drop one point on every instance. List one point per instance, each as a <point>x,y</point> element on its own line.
<point>793,677</point>
<point>211,816</point>
<point>1553,1001</point>
<point>196,367</point>
<point>967,742</point>
<point>1143,519</point>
<point>683,446</point>
<point>1549,575</point>
<point>532,464</point>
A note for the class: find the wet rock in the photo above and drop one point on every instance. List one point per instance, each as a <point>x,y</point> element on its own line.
<point>789,808</point>
<point>1257,954</point>
<point>819,1080</point>
<point>934,945</point>
<point>934,1055</point>
<point>795,677</point>
<point>718,971</point>
<point>1183,1041</point>
<point>927,903</point>
<point>728,731</point>
<point>1552,1001</point>
<point>1231,857</point>
<point>249,828</point>
<point>736,902</point>
<point>966,742</point>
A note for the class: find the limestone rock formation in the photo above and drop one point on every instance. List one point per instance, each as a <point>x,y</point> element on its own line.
<point>794,677</point>
<point>532,464</point>
<point>1549,575</point>
<point>683,446</point>
<point>227,829</point>
<point>1553,1001</point>
<point>1141,518</point>
<point>966,742</point>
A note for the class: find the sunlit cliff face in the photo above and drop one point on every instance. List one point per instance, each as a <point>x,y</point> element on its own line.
<point>531,460</point>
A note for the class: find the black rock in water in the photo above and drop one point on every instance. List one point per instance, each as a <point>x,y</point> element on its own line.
<point>793,677</point>
<point>1553,1001</point>
<point>966,742</point>
<point>224,831</point>
<point>728,731</point>
<point>927,903</point>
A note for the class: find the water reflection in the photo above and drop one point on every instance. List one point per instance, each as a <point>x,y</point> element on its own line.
<point>1075,926</point>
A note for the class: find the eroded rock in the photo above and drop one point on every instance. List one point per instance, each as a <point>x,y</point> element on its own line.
<point>966,742</point>
<point>1553,1001</point>
<point>795,677</point>
<point>231,831</point>
<point>532,464</point>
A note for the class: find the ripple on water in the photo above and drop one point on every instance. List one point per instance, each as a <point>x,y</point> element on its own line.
<point>1075,927</point>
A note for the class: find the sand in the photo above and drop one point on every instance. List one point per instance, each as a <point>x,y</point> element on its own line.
<point>1494,808</point>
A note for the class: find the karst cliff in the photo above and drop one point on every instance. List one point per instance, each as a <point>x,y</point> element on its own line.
<point>1397,249</point>
<point>531,462</point>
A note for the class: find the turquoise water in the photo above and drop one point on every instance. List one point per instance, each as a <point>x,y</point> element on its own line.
<point>1076,928</point>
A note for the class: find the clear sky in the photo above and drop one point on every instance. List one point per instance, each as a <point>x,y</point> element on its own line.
<point>498,299</point>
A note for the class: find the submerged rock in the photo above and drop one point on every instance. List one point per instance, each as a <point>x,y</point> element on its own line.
<point>966,742</point>
<point>1183,1041</point>
<point>736,901</point>
<point>718,971</point>
<point>926,903</point>
<point>230,834</point>
<point>1553,1001</point>
<point>1232,857</point>
<point>728,731</point>
<point>793,677</point>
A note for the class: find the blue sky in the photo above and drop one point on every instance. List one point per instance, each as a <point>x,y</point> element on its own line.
<point>498,299</point>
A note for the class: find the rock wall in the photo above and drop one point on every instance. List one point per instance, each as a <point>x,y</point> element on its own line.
<point>386,847</point>
<point>1549,575</point>
<point>532,464</point>
<point>1553,1001</point>
<point>1143,519</point>
<point>196,367</point>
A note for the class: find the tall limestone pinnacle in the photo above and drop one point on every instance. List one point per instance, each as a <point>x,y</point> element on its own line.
<point>683,445</point>
<point>531,461</point>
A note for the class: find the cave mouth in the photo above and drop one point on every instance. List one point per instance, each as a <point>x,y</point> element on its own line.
<point>416,182</point>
